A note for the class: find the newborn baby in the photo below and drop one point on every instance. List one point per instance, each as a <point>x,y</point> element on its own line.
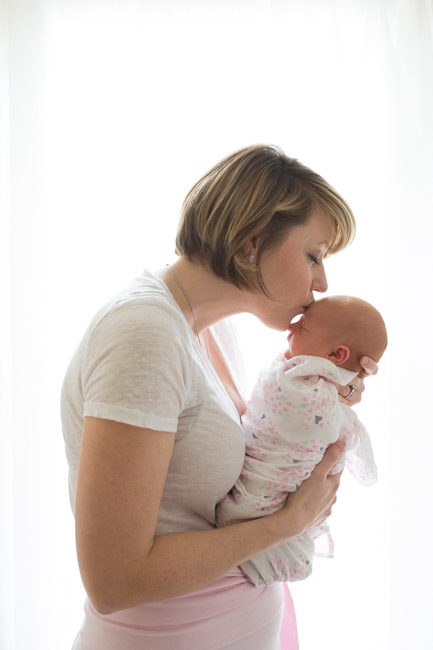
<point>292,416</point>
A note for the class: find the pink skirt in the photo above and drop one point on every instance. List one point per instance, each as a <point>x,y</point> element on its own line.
<point>230,613</point>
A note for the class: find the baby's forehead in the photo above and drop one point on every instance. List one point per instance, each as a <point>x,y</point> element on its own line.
<point>337,305</point>
<point>322,307</point>
<point>330,310</point>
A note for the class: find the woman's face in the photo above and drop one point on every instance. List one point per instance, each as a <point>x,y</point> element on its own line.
<point>293,271</point>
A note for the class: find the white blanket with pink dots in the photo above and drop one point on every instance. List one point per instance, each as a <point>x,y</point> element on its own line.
<point>292,416</point>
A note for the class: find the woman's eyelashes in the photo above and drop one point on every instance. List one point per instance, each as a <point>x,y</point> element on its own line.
<point>314,259</point>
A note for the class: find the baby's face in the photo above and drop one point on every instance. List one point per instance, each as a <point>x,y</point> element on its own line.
<point>310,334</point>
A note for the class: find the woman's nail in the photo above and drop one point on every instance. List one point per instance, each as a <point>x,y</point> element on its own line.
<point>366,364</point>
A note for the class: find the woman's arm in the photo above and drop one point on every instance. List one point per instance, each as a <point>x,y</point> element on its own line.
<point>121,478</point>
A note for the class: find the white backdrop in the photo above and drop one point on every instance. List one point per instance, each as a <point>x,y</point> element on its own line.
<point>109,112</point>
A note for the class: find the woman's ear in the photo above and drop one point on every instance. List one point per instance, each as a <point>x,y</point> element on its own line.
<point>339,355</point>
<point>250,247</point>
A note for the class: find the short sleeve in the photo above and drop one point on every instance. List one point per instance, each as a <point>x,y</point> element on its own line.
<point>136,368</point>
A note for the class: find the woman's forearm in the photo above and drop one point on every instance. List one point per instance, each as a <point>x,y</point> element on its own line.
<point>179,563</point>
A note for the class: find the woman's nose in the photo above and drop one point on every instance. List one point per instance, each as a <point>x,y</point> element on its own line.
<point>320,282</point>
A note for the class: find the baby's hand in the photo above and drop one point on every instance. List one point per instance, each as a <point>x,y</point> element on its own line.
<point>352,394</point>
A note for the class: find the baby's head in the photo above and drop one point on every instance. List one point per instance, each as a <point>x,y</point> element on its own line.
<point>339,328</point>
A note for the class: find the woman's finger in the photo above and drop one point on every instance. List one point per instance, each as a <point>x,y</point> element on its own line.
<point>369,365</point>
<point>331,458</point>
<point>352,393</point>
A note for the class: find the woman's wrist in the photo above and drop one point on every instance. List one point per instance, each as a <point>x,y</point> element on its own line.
<point>284,524</point>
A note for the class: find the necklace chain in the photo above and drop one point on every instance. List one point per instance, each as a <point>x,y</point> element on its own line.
<point>179,284</point>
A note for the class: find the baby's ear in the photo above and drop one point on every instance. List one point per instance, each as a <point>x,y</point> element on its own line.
<point>339,354</point>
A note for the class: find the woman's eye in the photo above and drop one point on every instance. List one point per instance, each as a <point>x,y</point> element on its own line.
<point>314,258</point>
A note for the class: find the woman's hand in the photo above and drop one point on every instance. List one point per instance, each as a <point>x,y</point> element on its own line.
<point>312,503</point>
<point>352,394</point>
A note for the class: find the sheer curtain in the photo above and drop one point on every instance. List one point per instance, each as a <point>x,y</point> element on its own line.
<point>109,111</point>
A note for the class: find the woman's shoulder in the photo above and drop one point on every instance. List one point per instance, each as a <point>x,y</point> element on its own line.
<point>143,304</point>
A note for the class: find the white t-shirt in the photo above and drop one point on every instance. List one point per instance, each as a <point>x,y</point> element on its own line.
<point>140,363</point>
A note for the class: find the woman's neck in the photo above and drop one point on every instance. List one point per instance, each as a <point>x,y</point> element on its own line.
<point>211,297</point>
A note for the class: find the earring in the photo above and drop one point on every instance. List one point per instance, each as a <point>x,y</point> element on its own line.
<point>251,259</point>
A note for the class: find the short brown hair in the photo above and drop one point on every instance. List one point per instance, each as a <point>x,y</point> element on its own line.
<point>256,192</point>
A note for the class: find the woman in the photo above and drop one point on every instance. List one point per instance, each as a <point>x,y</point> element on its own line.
<point>151,408</point>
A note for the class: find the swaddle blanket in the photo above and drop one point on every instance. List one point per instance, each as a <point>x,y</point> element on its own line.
<point>292,416</point>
